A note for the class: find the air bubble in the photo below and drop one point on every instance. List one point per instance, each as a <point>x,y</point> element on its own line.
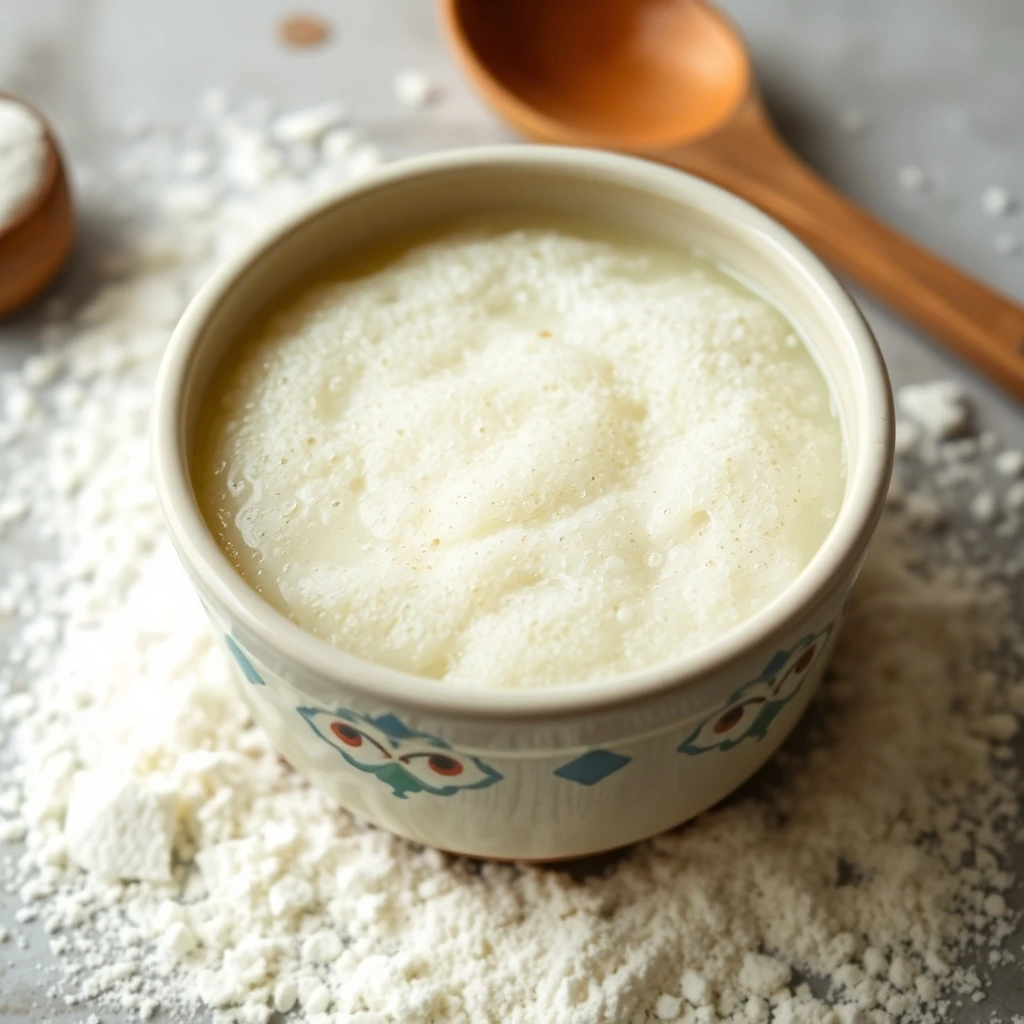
<point>699,520</point>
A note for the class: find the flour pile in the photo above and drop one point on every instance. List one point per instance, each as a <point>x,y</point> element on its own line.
<point>861,878</point>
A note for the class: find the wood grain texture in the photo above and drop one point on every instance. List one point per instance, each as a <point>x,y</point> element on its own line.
<point>977,323</point>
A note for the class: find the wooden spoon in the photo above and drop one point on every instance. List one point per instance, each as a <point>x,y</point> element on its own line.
<point>671,80</point>
<point>35,242</point>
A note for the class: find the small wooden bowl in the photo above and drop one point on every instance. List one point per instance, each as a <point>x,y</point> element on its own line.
<point>35,242</point>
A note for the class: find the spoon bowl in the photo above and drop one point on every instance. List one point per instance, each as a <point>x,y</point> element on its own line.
<point>670,80</point>
<point>640,74</point>
<point>36,240</point>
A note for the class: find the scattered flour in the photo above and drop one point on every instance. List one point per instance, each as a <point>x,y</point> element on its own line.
<point>22,157</point>
<point>861,879</point>
<point>940,407</point>
<point>984,506</point>
<point>414,89</point>
<point>1006,243</point>
<point>1014,498</point>
<point>118,827</point>
<point>907,437</point>
<point>912,178</point>
<point>1010,462</point>
<point>853,121</point>
<point>310,125</point>
<point>996,201</point>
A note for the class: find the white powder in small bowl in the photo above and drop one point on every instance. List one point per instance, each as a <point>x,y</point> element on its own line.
<point>22,157</point>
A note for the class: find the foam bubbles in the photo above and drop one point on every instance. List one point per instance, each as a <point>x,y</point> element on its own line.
<point>523,457</point>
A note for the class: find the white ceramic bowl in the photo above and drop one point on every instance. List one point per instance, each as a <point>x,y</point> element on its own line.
<point>562,772</point>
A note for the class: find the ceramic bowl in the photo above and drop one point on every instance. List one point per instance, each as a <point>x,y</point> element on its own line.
<point>562,772</point>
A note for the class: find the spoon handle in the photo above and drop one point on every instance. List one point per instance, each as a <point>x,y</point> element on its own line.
<point>980,325</point>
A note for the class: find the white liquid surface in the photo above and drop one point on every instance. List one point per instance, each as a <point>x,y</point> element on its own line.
<point>522,457</point>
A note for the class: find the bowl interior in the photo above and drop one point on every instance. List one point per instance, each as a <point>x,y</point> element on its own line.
<point>624,193</point>
<point>410,204</point>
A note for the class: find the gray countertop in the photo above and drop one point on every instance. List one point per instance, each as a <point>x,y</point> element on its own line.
<point>940,83</point>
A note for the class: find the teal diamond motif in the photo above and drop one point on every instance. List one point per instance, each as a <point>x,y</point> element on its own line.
<point>590,768</point>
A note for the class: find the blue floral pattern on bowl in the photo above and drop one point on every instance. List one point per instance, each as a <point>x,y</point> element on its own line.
<point>750,711</point>
<point>402,758</point>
